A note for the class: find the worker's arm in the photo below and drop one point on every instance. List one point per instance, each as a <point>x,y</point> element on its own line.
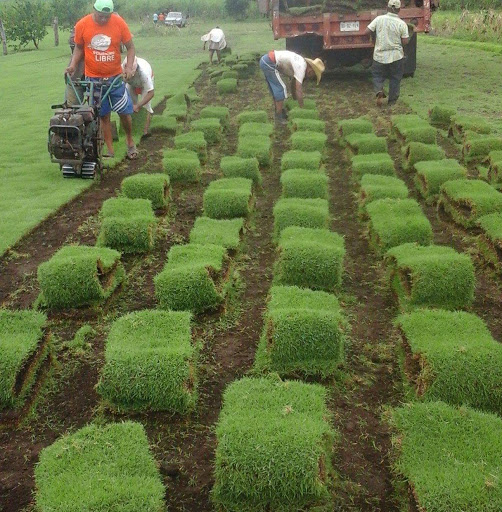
<point>131,53</point>
<point>144,100</point>
<point>405,40</point>
<point>76,57</point>
<point>298,93</point>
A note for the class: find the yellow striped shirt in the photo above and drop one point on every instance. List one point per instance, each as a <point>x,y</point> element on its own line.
<point>390,29</point>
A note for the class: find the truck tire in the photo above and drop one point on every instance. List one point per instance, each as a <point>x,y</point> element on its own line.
<point>410,57</point>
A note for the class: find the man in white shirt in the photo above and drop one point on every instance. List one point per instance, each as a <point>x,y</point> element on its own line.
<point>293,66</point>
<point>390,34</point>
<point>216,40</point>
<point>141,83</point>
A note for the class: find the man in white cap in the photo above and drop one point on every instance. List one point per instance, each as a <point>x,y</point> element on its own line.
<point>390,33</point>
<point>217,42</point>
<point>141,83</point>
<point>293,66</point>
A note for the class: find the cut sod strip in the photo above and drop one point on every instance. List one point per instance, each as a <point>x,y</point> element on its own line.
<point>477,149</point>
<point>349,126</point>
<point>304,184</point>
<point>222,113</point>
<point>365,144</point>
<point>303,113</point>
<point>210,127</point>
<point>495,167</point>
<point>228,198</point>
<point>227,85</point>
<point>79,276</point>
<point>154,187</point>
<point>23,348</point>
<point>451,356</point>
<point>150,363</point>
<point>252,116</point>
<point>308,104</point>
<point>182,165</point>
<point>176,106</point>
<point>255,146</point>
<point>306,213</point>
<point>451,458</point>
<point>468,200</point>
<point>460,125</point>
<point>301,160</point>
<point>394,222</point>
<point>431,175</point>
<point>193,141</point>
<point>256,129</point>
<point>238,167</point>
<point>128,225</point>
<point>373,163</point>
<point>440,116</point>
<point>490,240</point>
<point>309,125</point>
<point>193,279</point>
<point>99,468</point>
<point>308,141</point>
<point>230,74</point>
<point>310,258</point>
<point>224,232</point>
<point>164,123</point>
<point>412,128</point>
<point>274,446</point>
<point>431,276</point>
<point>374,186</point>
<point>419,152</point>
<point>302,335</point>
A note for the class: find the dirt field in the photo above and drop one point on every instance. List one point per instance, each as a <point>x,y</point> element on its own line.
<point>370,379</point>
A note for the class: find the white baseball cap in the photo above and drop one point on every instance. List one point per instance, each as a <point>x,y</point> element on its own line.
<point>394,3</point>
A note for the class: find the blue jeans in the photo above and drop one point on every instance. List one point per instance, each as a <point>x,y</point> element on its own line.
<point>392,71</point>
<point>273,78</point>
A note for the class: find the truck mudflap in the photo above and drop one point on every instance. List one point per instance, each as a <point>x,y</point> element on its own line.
<point>410,56</point>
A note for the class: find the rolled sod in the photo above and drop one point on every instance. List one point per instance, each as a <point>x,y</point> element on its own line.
<point>374,186</point>
<point>373,163</point>
<point>479,148</point>
<point>182,165</point>
<point>161,123</point>
<point>394,222</point>
<point>490,241</point>
<point>222,113</point>
<point>227,85</point>
<point>303,333</point>
<point>22,351</point>
<point>78,276</point>
<point>303,113</point>
<point>419,152</point>
<point>433,276</point>
<point>308,141</point>
<point>128,225</point>
<point>252,116</point>
<point>301,160</point>
<point>440,116</point>
<point>154,187</point>
<point>310,258</point>
<point>450,457</point>
<point>308,125</point>
<point>193,278</point>
<point>304,184</point>
<point>412,128</point>
<point>99,468</point>
<point>274,444</point>
<point>238,167</point>
<point>308,104</point>
<point>431,175</point>
<point>192,141</point>
<point>210,127</point>
<point>230,74</point>
<point>228,198</point>
<point>255,146</point>
<point>360,125</point>
<point>468,200</point>
<point>366,143</point>
<point>224,232</point>
<point>150,363</point>
<point>256,129</point>
<point>306,213</point>
<point>461,124</point>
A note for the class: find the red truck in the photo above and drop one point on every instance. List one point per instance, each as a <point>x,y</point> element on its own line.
<point>338,37</point>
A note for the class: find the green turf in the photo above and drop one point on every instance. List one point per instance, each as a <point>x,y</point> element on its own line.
<point>177,107</point>
<point>181,165</point>
<point>210,127</point>
<point>490,241</point>
<point>303,113</point>
<point>222,113</point>
<point>375,186</point>
<point>100,468</point>
<point>255,146</point>
<point>230,74</point>
<point>419,152</point>
<point>224,232</point>
<point>238,167</point>
<point>495,167</point>
<point>252,116</point>
<point>366,143</point>
<point>440,116</point>
<point>308,104</point>
<point>192,141</point>
<point>306,213</point>
<point>227,85</point>
<point>274,443</point>
<point>309,125</point>
<point>308,141</point>
<point>432,174</point>
<point>360,125</point>
<point>164,123</point>
<point>154,187</point>
<point>431,276</point>
<point>256,129</point>
<point>301,160</point>
<point>373,163</point>
<point>78,276</point>
<point>460,124</point>
<point>228,198</point>
<point>304,184</point>
<point>412,128</point>
<point>150,363</point>
<point>479,148</point>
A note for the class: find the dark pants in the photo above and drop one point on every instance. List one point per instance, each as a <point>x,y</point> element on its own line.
<point>393,71</point>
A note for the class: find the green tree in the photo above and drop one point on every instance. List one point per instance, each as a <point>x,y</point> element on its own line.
<point>25,21</point>
<point>237,8</point>
<point>69,12</point>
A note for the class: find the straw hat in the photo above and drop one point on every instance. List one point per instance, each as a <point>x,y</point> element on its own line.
<point>318,66</point>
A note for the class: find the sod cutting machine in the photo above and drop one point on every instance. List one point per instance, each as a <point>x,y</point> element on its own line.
<point>75,140</point>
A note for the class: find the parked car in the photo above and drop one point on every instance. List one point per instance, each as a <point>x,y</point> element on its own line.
<point>176,18</point>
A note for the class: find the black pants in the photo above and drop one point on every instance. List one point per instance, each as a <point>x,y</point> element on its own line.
<point>392,71</point>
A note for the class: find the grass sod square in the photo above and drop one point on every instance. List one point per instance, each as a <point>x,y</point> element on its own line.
<point>450,457</point>
<point>306,213</point>
<point>490,240</point>
<point>394,222</point>
<point>304,184</point>
<point>303,113</point>
<point>431,175</point>
<point>230,74</point>
<point>440,116</point>
<point>495,167</point>
<point>193,141</point>
<point>412,128</point>
<point>303,333</point>
<point>228,198</point>
<point>366,143</point>
<point>78,275</point>
<point>373,163</point>
<point>310,258</point>
<point>193,279</point>
<point>360,125</point>
<point>22,351</point>
<point>182,165</point>
<point>308,141</point>
<point>222,113</point>
<point>308,104</point>
<point>301,160</point>
<point>154,187</point>
<point>238,167</point>
<point>177,107</point>
<point>128,225</point>
<point>375,186</point>
<point>418,152</point>
<point>192,95</point>
<point>227,85</point>
<point>150,363</point>
<point>224,232</point>
<point>255,146</point>
<point>99,468</point>
<point>468,200</point>
<point>439,346</point>
<point>479,148</point>
<point>210,127</point>
<point>161,123</point>
<point>308,125</point>
<point>252,116</point>
<point>274,444</point>
<point>256,129</point>
<point>432,276</point>
<point>461,124</point>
